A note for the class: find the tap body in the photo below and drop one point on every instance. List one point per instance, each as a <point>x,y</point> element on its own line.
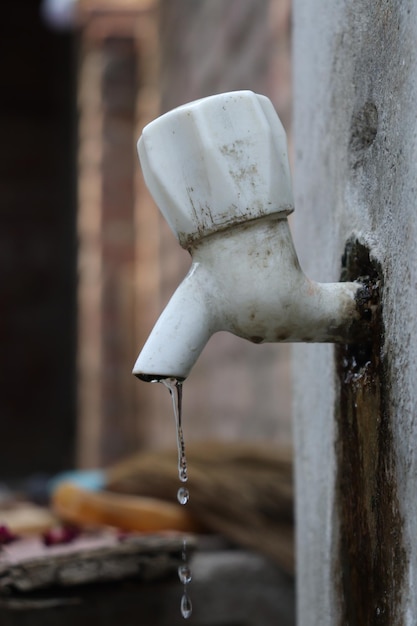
<point>247,281</point>
<point>245,276</point>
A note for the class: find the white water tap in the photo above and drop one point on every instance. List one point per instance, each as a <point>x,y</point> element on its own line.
<point>218,170</point>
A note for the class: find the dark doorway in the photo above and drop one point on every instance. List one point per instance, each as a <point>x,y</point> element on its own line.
<point>37,243</point>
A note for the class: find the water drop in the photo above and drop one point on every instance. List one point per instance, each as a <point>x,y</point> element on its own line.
<point>186,606</point>
<point>183,495</point>
<point>184,574</point>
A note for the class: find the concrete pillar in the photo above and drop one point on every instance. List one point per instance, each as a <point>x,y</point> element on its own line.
<point>355,126</point>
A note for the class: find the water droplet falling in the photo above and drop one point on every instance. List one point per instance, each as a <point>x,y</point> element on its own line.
<point>183,495</point>
<point>184,574</point>
<point>186,606</point>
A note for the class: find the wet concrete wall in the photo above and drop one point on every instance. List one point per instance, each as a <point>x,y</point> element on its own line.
<point>355,137</point>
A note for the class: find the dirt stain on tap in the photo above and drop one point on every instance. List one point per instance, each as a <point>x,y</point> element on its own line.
<point>371,559</point>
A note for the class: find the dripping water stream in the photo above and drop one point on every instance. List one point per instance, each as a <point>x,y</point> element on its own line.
<point>174,387</point>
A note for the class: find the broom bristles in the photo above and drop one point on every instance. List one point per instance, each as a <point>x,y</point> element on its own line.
<point>243,491</point>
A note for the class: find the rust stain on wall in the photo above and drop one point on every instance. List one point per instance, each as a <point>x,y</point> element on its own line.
<point>371,560</point>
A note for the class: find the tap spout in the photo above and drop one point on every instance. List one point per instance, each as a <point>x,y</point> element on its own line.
<point>181,332</point>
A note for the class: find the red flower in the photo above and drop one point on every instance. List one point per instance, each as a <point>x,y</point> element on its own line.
<point>60,535</point>
<point>6,535</point>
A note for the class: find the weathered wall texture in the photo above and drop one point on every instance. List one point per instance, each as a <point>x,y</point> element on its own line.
<point>355,123</point>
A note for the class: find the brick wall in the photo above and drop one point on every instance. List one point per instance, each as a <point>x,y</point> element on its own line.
<point>115,99</point>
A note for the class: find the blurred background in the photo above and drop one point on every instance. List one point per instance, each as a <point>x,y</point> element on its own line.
<point>86,261</point>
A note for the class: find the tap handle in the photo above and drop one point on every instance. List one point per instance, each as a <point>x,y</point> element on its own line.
<point>217,162</point>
